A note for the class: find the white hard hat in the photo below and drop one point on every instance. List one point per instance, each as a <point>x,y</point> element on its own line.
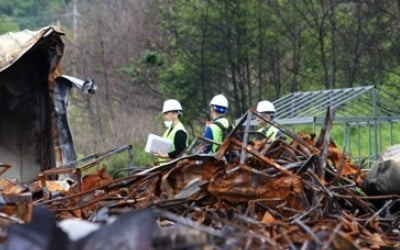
<point>265,106</point>
<point>171,105</point>
<point>219,100</point>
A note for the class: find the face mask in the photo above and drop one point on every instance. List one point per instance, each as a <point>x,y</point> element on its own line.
<point>167,124</point>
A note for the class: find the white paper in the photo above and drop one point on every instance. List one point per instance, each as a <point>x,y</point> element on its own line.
<point>157,144</point>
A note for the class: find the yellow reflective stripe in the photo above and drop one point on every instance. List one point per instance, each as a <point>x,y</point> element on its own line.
<point>171,135</point>
<point>271,132</point>
<point>217,132</point>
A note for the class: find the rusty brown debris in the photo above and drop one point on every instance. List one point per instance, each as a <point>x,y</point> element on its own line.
<point>293,193</point>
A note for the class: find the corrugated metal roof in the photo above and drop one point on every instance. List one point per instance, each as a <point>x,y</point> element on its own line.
<point>13,45</point>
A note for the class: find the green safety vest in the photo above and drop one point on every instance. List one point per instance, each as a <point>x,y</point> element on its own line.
<point>171,135</point>
<point>270,132</point>
<point>217,132</point>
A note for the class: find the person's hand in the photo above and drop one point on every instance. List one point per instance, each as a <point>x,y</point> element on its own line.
<point>161,155</point>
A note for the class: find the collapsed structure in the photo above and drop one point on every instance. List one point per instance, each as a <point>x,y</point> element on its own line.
<point>300,193</point>
<point>34,130</point>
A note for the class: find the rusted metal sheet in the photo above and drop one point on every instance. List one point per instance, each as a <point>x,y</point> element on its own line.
<point>295,194</point>
<point>15,202</point>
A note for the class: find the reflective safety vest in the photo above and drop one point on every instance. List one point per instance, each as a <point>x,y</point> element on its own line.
<point>217,132</point>
<point>171,135</point>
<point>270,132</point>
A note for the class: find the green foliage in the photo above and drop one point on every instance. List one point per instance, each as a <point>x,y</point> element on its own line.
<point>142,158</point>
<point>30,14</point>
<point>117,165</point>
<point>251,50</point>
<point>7,24</point>
<point>145,70</point>
<point>131,70</point>
<point>179,82</point>
<point>153,58</point>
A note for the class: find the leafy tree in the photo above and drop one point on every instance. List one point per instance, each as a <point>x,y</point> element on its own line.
<point>31,14</point>
<point>253,49</point>
<point>7,24</point>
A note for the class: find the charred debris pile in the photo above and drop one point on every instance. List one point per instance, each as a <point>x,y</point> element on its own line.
<point>297,193</point>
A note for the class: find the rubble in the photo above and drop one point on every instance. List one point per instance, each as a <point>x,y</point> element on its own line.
<point>296,193</point>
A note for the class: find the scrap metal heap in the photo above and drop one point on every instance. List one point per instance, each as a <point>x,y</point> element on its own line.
<point>296,193</point>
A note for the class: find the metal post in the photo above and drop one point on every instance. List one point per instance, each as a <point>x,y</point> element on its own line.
<point>313,125</point>
<point>245,138</point>
<point>344,135</point>
<point>374,99</point>
<point>369,141</point>
<point>380,137</point>
<point>390,132</point>
<point>74,31</point>
<point>349,138</point>
<point>359,141</point>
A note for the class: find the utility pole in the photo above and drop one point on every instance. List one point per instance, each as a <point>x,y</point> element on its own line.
<point>75,33</point>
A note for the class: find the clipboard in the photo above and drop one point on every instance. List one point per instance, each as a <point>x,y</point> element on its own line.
<point>156,144</point>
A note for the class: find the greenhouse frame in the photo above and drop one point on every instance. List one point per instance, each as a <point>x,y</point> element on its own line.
<point>360,111</point>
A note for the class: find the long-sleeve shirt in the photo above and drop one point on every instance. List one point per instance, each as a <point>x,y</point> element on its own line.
<point>209,135</point>
<point>179,143</point>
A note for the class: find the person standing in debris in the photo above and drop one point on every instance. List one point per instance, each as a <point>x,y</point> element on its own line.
<point>175,132</point>
<point>216,129</point>
<point>267,110</point>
